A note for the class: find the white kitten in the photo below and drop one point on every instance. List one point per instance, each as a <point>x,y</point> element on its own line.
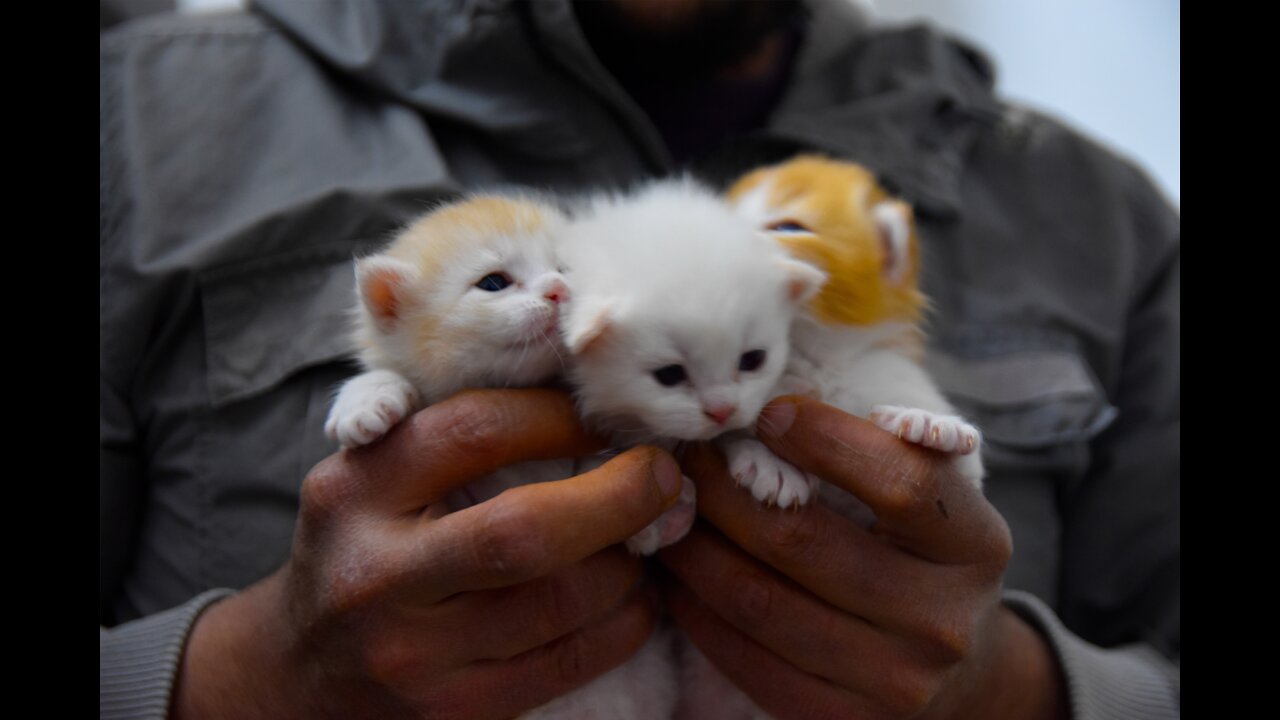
<point>678,331</point>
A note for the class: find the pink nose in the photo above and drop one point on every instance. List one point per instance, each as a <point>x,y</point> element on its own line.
<point>557,293</point>
<point>719,413</point>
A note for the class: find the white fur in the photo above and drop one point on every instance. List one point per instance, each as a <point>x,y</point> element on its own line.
<point>480,339</point>
<point>672,276</point>
<point>368,406</point>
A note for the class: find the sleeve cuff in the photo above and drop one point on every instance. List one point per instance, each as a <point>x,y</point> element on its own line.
<point>138,661</point>
<point>1132,681</point>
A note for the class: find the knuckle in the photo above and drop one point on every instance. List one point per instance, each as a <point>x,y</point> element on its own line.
<point>472,428</point>
<point>909,693</point>
<point>572,661</point>
<point>1000,545</point>
<point>391,662</point>
<point>752,597</point>
<point>909,478</point>
<point>949,639</point>
<point>508,543</point>
<point>560,609</point>
<point>326,490</point>
<point>792,535</point>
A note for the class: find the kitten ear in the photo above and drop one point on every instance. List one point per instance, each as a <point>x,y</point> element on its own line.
<point>383,283</point>
<point>893,224</point>
<point>803,280</point>
<point>586,325</point>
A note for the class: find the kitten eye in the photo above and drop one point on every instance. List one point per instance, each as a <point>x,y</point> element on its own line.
<point>788,226</point>
<point>670,375</point>
<point>751,360</point>
<point>493,282</point>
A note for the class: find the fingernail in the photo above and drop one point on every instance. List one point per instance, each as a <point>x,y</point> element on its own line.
<point>776,418</point>
<point>667,475</point>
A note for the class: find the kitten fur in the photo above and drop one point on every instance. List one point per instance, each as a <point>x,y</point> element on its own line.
<point>858,346</point>
<point>670,276</point>
<point>425,328</point>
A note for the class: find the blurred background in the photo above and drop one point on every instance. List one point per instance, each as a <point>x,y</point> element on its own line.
<point>1110,68</point>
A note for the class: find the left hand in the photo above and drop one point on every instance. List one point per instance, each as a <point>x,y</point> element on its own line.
<point>815,617</point>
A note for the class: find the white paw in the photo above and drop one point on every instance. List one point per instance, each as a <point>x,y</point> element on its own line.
<point>368,406</point>
<point>948,433</point>
<point>670,526</point>
<point>770,479</point>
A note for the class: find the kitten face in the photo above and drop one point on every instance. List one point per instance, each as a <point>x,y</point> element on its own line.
<point>683,378</point>
<point>681,313</point>
<point>835,215</point>
<point>468,296</point>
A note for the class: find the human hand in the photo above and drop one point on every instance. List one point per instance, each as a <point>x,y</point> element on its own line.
<point>386,609</point>
<point>813,616</point>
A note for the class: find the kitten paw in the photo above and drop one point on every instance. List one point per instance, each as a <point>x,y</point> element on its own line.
<point>770,479</point>
<point>948,433</point>
<point>671,526</point>
<point>368,406</point>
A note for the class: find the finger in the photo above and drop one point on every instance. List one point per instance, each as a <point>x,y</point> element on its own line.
<point>502,623</point>
<point>779,688</point>
<point>506,688</point>
<point>798,627</point>
<point>533,530</point>
<point>829,556</point>
<point>455,441</point>
<point>919,498</point>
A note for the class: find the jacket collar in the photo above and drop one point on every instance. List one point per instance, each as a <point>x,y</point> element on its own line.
<point>908,103</point>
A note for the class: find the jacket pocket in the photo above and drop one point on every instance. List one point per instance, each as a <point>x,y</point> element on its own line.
<point>1030,391</point>
<point>1039,406</point>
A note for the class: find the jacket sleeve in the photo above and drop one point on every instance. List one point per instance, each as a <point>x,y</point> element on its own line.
<point>138,661</point>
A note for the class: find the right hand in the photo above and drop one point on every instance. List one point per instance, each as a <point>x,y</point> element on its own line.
<point>385,608</point>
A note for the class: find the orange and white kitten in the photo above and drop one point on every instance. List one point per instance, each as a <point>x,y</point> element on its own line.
<point>859,344</point>
<point>467,296</point>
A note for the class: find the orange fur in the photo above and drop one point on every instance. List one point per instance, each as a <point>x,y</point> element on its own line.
<point>434,243</point>
<point>835,200</point>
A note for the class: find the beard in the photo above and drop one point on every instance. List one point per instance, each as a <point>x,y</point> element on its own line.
<point>680,41</point>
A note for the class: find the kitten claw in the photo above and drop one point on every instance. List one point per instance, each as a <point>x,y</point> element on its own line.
<point>771,480</point>
<point>368,406</point>
<point>948,433</point>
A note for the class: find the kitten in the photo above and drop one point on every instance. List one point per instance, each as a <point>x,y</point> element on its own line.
<point>857,345</point>
<point>471,296</point>
<point>678,331</point>
<point>467,296</point>
<point>679,327</point>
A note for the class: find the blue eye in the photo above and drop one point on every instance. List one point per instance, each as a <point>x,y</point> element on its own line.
<point>751,360</point>
<point>670,375</point>
<point>493,282</point>
<point>788,226</point>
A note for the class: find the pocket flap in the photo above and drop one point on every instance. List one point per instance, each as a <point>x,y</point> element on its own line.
<point>1028,391</point>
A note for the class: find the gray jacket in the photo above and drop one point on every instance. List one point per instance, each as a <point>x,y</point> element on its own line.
<point>245,158</point>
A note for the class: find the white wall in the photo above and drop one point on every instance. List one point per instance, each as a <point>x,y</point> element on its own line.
<point>1108,67</point>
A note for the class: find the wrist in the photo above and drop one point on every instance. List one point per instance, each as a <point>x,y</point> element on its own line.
<point>1019,679</point>
<point>235,663</point>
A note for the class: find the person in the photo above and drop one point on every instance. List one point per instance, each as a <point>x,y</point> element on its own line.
<point>246,157</point>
